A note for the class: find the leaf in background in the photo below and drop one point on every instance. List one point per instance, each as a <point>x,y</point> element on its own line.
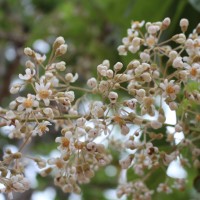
<point>195,4</point>
<point>196,183</point>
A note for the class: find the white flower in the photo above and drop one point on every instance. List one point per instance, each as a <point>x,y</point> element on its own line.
<point>156,124</point>
<point>170,89</point>
<point>153,29</point>
<point>12,105</point>
<point>151,40</point>
<point>133,49</point>
<point>145,57</point>
<point>27,104</point>
<point>70,95</point>
<point>113,96</point>
<point>118,66</point>
<point>10,115</point>
<point>61,66</point>
<point>184,23</point>
<point>64,143</point>
<point>109,73</point>
<point>81,122</point>
<point>20,183</point>
<point>92,82</point>
<point>41,128</point>
<point>173,54</point>
<point>70,78</point>
<point>48,112</point>
<point>59,41</point>
<point>102,69</point>
<point>131,103</point>
<point>125,163</point>
<point>136,24</point>
<point>62,49</point>
<point>43,92</point>
<point>122,50</point>
<point>29,74</point>
<point>28,51</point>
<point>97,109</point>
<point>193,71</point>
<point>58,162</point>
<point>103,86</point>
<point>39,58</point>
<point>166,22</point>
<point>30,64</point>
<point>178,63</point>
<point>15,88</point>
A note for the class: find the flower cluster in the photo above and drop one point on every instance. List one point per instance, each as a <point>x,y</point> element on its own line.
<point>131,106</point>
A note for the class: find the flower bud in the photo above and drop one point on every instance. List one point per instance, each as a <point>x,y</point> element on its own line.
<point>109,73</point>
<point>179,38</point>
<point>28,51</point>
<point>184,24</point>
<point>118,66</point>
<point>173,105</point>
<point>178,128</point>
<point>122,50</point>
<point>156,124</point>
<point>61,50</point>
<point>173,55</point>
<point>61,66</point>
<point>113,96</point>
<point>165,23</point>
<point>92,83</point>
<point>59,41</point>
<point>145,57</point>
<point>125,130</point>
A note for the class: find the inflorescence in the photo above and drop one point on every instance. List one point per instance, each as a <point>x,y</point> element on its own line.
<point>130,105</point>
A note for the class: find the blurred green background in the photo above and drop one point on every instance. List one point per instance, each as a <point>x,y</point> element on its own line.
<point>93,29</point>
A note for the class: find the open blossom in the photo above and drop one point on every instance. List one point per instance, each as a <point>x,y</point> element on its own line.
<point>20,183</point>
<point>27,104</point>
<point>136,24</point>
<point>15,88</point>
<point>193,71</point>
<point>70,78</point>
<point>170,89</point>
<point>64,141</point>
<point>41,128</point>
<point>40,58</point>
<point>29,74</point>
<point>43,92</point>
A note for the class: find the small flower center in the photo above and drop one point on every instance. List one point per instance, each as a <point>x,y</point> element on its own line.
<point>65,142</point>
<point>42,128</point>
<point>151,41</point>
<point>193,71</point>
<point>44,94</point>
<point>59,164</point>
<point>28,103</point>
<point>79,145</point>
<point>170,89</point>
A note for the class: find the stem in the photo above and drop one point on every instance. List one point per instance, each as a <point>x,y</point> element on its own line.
<point>55,118</point>
<point>3,124</point>
<point>81,89</point>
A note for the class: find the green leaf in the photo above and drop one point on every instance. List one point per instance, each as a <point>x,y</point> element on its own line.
<point>192,86</point>
<point>195,4</point>
<point>183,105</point>
<point>197,183</point>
